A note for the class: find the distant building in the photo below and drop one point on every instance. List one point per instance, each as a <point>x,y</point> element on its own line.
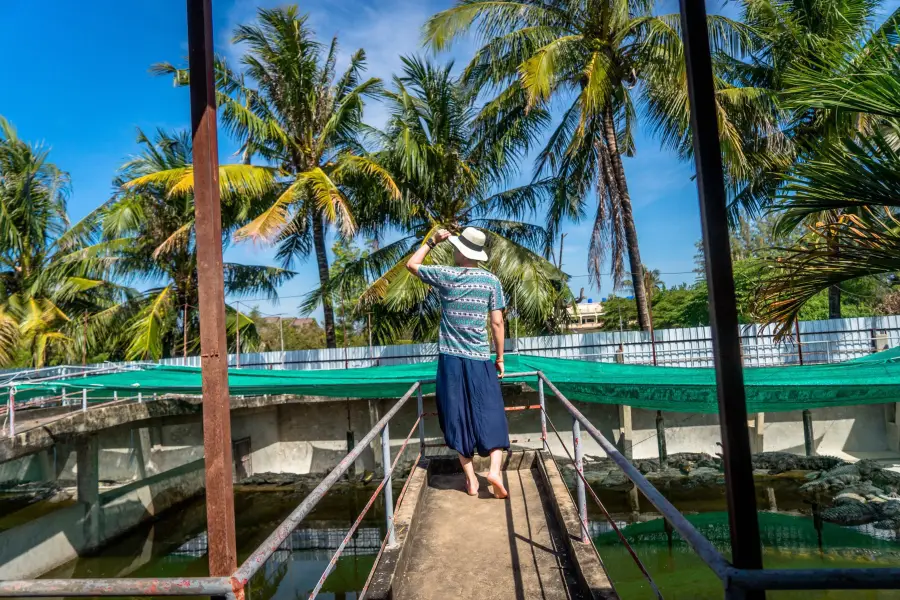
<point>586,316</point>
<point>298,322</point>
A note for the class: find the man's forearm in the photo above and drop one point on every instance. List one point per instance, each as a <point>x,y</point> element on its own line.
<point>497,332</point>
<point>415,261</point>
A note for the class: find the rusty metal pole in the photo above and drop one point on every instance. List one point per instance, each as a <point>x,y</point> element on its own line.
<point>746,549</point>
<point>213,342</point>
<point>809,438</point>
<point>185,327</point>
<point>237,341</point>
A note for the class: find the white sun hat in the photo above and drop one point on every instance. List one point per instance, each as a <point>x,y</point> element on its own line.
<point>470,243</point>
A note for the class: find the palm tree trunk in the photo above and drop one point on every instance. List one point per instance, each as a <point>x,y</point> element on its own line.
<point>322,262</point>
<point>631,238</point>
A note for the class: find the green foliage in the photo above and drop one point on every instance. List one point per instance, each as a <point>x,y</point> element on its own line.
<point>146,232</point>
<point>297,336</point>
<point>47,286</point>
<point>449,166</point>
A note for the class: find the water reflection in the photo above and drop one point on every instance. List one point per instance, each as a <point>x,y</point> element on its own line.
<point>176,546</point>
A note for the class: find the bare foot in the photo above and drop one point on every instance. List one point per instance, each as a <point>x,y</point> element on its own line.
<point>496,480</point>
<point>472,486</point>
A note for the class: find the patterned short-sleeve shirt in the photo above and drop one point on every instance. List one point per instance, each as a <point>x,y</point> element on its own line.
<point>467,295</point>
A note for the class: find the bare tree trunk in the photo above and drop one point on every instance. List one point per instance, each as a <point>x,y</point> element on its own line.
<point>631,238</point>
<point>834,302</point>
<point>322,263</point>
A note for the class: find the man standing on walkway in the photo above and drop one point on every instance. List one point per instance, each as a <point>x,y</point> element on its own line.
<point>469,401</point>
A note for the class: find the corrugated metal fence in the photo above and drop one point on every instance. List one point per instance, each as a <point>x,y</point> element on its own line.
<point>820,342</point>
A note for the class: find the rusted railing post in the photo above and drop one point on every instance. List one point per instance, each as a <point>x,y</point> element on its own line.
<point>809,440</point>
<point>661,439</point>
<point>388,492</point>
<point>84,400</point>
<point>543,404</point>
<point>579,482</point>
<point>211,289</point>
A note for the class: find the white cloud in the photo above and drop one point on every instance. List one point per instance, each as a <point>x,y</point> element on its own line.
<point>386,30</point>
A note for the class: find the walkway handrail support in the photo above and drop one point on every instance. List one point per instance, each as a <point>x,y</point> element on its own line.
<point>388,492</point>
<point>75,588</point>
<point>256,560</point>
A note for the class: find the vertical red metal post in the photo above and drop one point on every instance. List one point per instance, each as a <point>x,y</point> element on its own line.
<point>213,343</point>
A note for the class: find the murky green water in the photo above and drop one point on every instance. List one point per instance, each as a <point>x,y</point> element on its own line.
<point>175,546</point>
<point>789,542</point>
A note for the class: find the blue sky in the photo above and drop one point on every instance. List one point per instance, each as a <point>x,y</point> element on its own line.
<point>76,79</point>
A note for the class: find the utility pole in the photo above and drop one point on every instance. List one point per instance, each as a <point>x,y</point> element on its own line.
<point>237,343</point>
<point>185,327</point>
<point>84,339</point>
<point>211,285</point>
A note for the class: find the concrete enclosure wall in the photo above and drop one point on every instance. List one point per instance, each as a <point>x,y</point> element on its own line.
<point>62,535</point>
<point>311,437</point>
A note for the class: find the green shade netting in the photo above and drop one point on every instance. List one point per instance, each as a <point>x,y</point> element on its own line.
<point>769,389</point>
<point>777,531</point>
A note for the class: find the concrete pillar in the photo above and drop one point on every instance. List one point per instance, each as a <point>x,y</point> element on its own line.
<point>756,440</point>
<point>45,462</point>
<point>143,452</point>
<point>626,442</point>
<point>88,487</point>
<point>374,417</point>
<point>626,433</point>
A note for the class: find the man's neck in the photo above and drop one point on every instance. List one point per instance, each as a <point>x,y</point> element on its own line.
<point>469,264</point>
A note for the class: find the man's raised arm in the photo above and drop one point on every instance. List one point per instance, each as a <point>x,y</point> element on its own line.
<point>415,261</point>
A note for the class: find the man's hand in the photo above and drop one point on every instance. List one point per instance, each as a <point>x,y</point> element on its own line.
<point>440,235</point>
<point>500,369</point>
<point>415,261</point>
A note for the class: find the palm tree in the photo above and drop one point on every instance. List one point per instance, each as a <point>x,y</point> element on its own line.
<point>45,290</point>
<point>854,179</point>
<point>763,137</point>
<point>147,235</point>
<point>306,121</point>
<point>448,161</point>
<point>591,55</point>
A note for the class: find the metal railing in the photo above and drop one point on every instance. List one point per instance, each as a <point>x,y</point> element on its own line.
<point>8,388</point>
<point>736,582</point>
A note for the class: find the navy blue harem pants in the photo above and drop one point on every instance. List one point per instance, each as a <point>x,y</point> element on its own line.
<point>470,406</point>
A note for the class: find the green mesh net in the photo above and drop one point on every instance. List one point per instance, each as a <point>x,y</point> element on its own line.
<point>873,380</point>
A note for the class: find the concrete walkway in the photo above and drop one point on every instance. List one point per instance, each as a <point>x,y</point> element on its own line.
<point>481,547</point>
